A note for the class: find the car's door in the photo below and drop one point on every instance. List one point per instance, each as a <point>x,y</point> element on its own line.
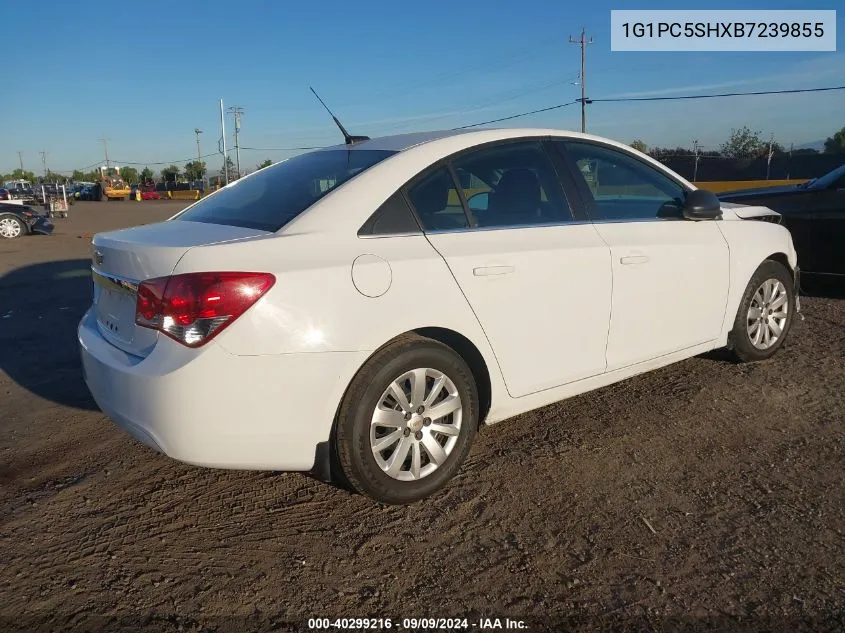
<point>670,275</point>
<point>538,282</point>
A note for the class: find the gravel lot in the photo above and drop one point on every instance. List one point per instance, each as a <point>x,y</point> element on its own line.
<point>704,496</point>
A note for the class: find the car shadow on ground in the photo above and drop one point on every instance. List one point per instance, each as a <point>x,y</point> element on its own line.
<point>40,308</point>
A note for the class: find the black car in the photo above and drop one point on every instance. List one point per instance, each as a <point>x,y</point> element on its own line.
<point>814,212</point>
<point>18,219</point>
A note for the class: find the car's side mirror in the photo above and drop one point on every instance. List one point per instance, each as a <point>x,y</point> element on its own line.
<point>702,204</point>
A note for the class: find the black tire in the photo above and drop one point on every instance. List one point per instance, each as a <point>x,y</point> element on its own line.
<point>352,432</point>
<point>743,347</point>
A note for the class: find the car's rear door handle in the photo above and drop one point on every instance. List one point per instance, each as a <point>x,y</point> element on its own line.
<point>486,271</point>
<point>628,260</point>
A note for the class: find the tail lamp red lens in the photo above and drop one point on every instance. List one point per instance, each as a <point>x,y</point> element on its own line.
<point>193,308</point>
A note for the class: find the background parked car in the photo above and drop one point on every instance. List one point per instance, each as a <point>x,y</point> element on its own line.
<point>17,220</point>
<point>148,192</point>
<point>814,212</point>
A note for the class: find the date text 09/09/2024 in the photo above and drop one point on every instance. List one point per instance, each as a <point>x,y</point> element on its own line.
<point>416,624</point>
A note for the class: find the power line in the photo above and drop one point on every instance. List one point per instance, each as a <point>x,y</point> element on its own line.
<point>609,100</point>
<point>718,95</point>
<point>164,162</point>
<point>283,149</point>
<point>499,98</point>
<point>507,118</point>
<point>487,64</point>
<point>516,116</point>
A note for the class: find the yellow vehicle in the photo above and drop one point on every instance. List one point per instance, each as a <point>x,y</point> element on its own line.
<point>112,186</point>
<point>116,189</point>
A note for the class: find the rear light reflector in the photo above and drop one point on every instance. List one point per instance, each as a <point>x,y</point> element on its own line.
<point>193,308</point>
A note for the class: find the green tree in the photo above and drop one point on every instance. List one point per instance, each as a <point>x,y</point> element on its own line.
<point>264,164</point>
<point>743,143</point>
<point>146,174</point>
<point>170,173</point>
<point>20,174</point>
<point>639,145</point>
<point>230,167</point>
<point>194,170</point>
<point>129,175</point>
<point>52,176</point>
<point>835,143</point>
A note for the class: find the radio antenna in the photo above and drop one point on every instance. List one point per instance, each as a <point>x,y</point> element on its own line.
<point>350,140</point>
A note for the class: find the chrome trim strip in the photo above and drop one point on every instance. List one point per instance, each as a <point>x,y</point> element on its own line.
<point>114,282</point>
<point>554,224</point>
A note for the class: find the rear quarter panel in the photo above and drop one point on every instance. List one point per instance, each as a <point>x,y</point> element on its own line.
<point>315,306</point>
<point>750,242</point>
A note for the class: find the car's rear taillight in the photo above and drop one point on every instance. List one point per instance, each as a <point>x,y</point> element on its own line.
<point>193,308</point>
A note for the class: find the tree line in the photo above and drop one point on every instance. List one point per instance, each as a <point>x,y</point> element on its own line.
<point>191,172</point>
<point>744,143</point>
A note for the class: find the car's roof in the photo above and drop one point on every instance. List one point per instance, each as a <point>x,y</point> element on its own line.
<point>401,142</point>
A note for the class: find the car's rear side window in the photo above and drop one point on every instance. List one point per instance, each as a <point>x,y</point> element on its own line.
<point>272,197</point>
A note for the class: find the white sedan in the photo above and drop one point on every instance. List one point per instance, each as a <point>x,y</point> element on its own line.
<point>358,311</point>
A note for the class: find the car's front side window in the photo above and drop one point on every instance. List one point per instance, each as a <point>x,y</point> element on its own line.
<point>623,187</point>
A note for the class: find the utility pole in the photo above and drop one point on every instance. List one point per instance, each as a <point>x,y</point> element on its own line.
<point>20,159</point>
<point>583,43</point>
<point>198,131</point>
<point>789,160</point>
<point>105,142</point>
<point>44,163</point>
<point>223,133</point>
<point>769,159</point>
<point>697,156</point>
<point>237,111</point>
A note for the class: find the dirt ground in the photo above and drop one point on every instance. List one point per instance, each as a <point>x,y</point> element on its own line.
<point>704,496</point>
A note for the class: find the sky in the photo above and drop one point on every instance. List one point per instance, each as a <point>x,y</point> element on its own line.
<point>144,76</point>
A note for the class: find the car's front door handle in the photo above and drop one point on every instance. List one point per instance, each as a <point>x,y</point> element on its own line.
<point>628,260</point>
<point>487,271</point>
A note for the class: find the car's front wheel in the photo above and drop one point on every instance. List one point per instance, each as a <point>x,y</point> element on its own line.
<point>11,227</point>
<point>407,421</point>
<point>765,313</point>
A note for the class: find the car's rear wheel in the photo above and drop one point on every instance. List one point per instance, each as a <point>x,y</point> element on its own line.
<point>11,227</point>
<point>765,313</point>
<point>407,421</point>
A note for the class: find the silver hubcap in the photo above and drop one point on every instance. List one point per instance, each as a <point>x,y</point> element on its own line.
<point>415,425</point>
<point>9,228</point>
<point>767,314</point>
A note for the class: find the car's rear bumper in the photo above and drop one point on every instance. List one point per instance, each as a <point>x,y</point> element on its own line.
<point>212,408</point>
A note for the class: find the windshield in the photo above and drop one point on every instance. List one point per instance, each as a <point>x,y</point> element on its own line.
<point>829,179</point>
<point>273,196</point>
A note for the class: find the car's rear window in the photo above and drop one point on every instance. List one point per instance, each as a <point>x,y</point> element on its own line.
<point>272,197</point>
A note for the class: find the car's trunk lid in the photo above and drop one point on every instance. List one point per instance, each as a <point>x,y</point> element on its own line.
<point>123,259</point>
